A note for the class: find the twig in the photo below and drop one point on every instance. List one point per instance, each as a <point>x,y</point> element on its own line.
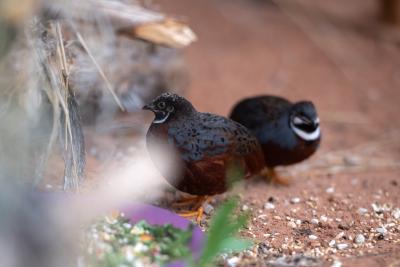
<point>64,72</point>
<point>108,84</point>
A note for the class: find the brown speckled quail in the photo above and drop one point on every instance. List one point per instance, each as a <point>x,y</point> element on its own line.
<point>288,132</point>
<point>205,146</point>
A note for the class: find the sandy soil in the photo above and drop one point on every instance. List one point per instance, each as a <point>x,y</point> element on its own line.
<point>336,54</point>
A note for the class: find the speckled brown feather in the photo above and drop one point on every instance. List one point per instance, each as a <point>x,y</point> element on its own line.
<point>206,145</point>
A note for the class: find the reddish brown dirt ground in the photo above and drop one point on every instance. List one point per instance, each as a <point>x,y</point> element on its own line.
<point>336,54</point>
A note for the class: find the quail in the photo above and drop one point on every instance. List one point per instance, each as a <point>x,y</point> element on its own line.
<point>288,132</point>
<point>203,147</point>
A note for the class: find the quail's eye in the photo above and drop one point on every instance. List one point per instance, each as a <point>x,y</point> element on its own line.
<point>298,120</point>
<point>301,120</point>
<point>170,108</point>
<point>161,105</point>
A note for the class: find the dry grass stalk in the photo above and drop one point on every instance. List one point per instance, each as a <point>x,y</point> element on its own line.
<point>101,72</point>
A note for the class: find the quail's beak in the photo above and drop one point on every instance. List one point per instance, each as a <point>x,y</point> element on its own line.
<point>148,107</point>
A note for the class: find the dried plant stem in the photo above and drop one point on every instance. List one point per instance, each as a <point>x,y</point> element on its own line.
<point>64,71</point>
<point>99,69</point>
<point>64,102</point>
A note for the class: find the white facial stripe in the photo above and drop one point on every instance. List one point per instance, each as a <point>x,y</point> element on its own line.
<point>307,136</point>
<point>163,119</point>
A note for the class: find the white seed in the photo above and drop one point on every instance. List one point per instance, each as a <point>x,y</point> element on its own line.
<point>332,243</point>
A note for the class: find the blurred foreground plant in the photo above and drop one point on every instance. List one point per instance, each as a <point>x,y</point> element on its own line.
<point>221,236</point>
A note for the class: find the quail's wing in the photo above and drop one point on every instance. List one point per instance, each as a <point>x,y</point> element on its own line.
<point>210,135</point>
<point>252,112</point>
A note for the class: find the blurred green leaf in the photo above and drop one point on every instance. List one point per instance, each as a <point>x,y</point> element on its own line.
<point>221,234</point>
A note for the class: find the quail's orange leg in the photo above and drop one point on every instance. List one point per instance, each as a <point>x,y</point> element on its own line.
<point>271,176</point>
<point>197,209</point>
<point>186,201</point>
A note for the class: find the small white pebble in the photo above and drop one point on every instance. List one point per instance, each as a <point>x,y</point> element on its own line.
<point>362,211</point>
<point>323,218</point>
<point>298,222</point>
<point>245,208</point>
<point>360,239</point>
<point>376,208</point>
<point>312,237</point>
<point>332,243</point>
<point>208,209</point>
<point>314,221</point>
<point>292,224</point>
<point>330,190</point>
<point>295,200</point>
<point>396,214</point>
<point>269,206</point>
<point>336,264</point>
<point>342,246</point>
<point>381,230</point>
